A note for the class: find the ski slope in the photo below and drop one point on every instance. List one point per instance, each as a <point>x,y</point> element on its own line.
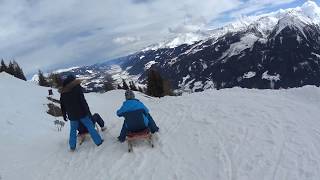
<point>231,134</point>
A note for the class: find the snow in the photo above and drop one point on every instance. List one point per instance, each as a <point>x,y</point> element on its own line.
<point>118,74</point>
<point>217,48</point>
<point>305,63</point>
<point>311,10</point>
<point>35,78</point>
<point>228,134</point>
<point>197,85</point>
<point>291,21</point>
<point>209,85</point>
<point>182,38</point>
<point>204,65</point>
<point>66,70</point>
<point>244,43</point>
<point>318,56</point>
<point>271,78</point>
<point>299,39</point>
<point>184,79</point>
<point>89,71</point>
<point>187,38</point>
<point>249,75</point>
<point>266,76</point>
<point>149,64</point>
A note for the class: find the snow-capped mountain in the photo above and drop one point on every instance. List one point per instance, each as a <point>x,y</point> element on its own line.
<point>93,76</point>
<point>274,50</point>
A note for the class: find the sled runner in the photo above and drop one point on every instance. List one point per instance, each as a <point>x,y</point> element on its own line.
<point>141,135</point>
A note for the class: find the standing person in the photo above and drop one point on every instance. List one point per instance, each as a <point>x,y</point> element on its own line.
<point>74,107</point>
<point>136,116</point>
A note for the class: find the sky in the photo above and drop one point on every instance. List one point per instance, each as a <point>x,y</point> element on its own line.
<point>49,35</point>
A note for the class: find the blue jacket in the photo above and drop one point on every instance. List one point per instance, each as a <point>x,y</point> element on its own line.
<point>135,114</point>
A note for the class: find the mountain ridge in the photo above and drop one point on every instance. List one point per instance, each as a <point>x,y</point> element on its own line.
<point>225,56</point>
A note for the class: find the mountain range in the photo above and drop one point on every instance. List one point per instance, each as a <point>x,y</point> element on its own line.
<point>269,51</point>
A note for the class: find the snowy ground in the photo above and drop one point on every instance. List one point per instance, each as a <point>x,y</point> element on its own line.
<point>232,134</point>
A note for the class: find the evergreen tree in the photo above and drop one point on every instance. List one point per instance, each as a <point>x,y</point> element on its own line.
<point>54,80</point>
<point>119,87</point>
<point>3,66</point>
<point>167,88</point>
<point>155,84</point>
<point>57,80</point>
<point>17,71</point>
<point>10,69</point>
<point>108,83</point>
<point>13,69</point>
<point>141,90</point>
<point>42,80</point>
<point>124,85</point>
<point>133,86</point>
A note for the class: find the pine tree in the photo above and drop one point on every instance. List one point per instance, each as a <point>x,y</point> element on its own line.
<point>133,86</point>
<point>124,85</point>
<point>155,84</point>
<point>57,80</point>
<point>108,83</point>
<point>10,69</point>
<point>54,80</point>
<point>167,90</point>
<point>140,89</point>
<point>42,79</point>
<point>17,71</point>
<point>3,66</point>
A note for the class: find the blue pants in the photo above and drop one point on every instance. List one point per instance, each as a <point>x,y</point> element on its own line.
<point>89,125</point>
<point>151,126</point>
<point>96,118</point>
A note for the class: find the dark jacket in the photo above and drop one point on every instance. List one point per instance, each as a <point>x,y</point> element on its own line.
<point>135,114</point>
<point>72,101</point>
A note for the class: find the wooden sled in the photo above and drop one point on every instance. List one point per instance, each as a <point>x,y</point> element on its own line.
<point>142,135</point>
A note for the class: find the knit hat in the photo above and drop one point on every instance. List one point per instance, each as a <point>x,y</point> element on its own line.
<point>68,80</point>
<point>129,94</point>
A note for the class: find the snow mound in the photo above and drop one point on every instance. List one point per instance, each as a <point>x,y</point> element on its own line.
<point>227,134</point>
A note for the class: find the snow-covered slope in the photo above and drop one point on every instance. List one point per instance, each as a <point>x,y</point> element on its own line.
<point>235,134</point>
<point>27,134</point>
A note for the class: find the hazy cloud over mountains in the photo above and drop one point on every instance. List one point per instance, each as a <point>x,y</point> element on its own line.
<point>46,34</point>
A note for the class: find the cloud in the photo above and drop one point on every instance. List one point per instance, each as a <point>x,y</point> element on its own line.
<point>142,1</point>
<point>46,34</point>
<point>125,40</point>
<point>256,6</point>
<point>190,24</point>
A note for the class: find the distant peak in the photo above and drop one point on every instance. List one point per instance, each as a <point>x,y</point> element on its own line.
<point>311,9</point>
<point>309,4</point>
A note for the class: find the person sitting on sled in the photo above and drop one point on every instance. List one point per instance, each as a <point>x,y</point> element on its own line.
<point>136,116</point>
